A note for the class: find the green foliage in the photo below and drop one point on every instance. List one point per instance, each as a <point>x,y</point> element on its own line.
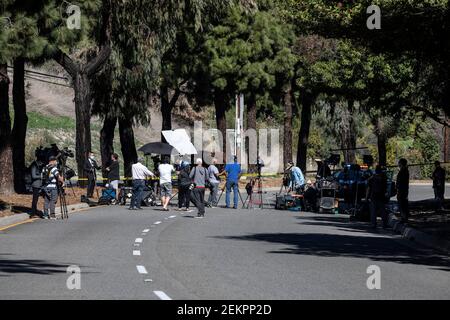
<point>35,29</point>
<point>248,52</point>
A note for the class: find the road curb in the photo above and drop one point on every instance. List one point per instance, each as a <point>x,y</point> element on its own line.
<point>417,236</point>
<point>21,217</point>
<point>6,221</point>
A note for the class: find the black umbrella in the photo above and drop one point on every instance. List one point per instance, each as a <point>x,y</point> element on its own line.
<point>156,147</point>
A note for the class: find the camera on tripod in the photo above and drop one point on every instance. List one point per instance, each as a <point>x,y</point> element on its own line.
<point>43,155</point>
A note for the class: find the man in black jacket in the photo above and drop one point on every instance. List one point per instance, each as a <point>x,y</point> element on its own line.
<point>36,184</point>
<point>438,184</point>
<point>403,189</point>
<point>376,192</point>
<point>184,181</point>
<point>113,173</point>
<point>90,169</point>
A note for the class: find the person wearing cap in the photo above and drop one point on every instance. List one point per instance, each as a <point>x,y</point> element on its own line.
<point>297,181</point>
<point>51,177</point>
<point>140,174</point>
<point>233,171</point>
<point>199,176</point>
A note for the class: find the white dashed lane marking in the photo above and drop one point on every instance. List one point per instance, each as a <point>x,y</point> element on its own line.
<point>136,252</point>
<point>141,269</point>
<point>162,295</point>
<point>145,230</point>
<point>138,240</point>
<point>157,222</point>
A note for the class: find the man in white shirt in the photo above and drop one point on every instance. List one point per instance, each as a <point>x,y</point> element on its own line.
<point>140,174</point>
<point>165,182</point>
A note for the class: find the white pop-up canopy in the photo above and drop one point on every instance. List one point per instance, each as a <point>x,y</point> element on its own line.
<point>180,140</point>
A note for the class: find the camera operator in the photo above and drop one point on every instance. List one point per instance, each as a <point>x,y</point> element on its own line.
<point>51,177</point>
<point>297,181</point>
<point>90,167</point>
<point>36,183</point>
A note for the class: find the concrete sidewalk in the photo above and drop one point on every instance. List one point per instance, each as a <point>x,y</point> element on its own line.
<point>21,217</point>
<point>429,237</point>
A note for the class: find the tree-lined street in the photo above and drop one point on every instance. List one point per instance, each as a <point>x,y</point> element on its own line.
<point>231,254</point>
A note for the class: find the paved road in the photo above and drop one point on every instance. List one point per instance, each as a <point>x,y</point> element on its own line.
<point>231,254</point>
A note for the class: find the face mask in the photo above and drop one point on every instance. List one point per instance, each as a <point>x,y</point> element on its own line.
<point>92,157</point>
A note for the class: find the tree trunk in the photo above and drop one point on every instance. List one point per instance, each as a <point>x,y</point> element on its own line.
<point>303,135</point>
<point>127,145</point>
<point>6,165</point>
<point>348,133</point>
<point>106,142</point>
<point>166,111</point>
<point>287,126</point>
<point>19,130</point>
<point>82,119</point>
<point>382,150</point>
<point>446,143</point>
<point>221,121</point>
<point>81,74</point>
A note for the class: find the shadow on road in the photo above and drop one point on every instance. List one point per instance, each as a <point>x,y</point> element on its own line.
<point>354,246</point>
<point>14,266</point>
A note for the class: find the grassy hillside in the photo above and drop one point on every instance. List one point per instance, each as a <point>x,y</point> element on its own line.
<point>44,130</point>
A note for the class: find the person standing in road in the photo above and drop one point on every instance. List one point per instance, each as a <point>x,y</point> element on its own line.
<point>233,171</point>
<point>376,192</point>
<point>199,176</point>
<point>51,177</point>
<point>140,174</point>
<point>165,181</point>
<point>213,175</point>
<point>403,189</point>
<point>36,183</point>
<point>438,184</point>
<point>90,169</point>
<point>113,173</point>
<point>184,181</point>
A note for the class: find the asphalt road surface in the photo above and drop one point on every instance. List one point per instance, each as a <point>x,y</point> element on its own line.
<point>230,254</point>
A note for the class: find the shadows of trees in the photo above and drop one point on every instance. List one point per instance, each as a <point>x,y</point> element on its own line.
<point>31,266</point>
<point>347,245</point>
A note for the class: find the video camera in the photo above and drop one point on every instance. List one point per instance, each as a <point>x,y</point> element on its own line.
<point>43,154</point>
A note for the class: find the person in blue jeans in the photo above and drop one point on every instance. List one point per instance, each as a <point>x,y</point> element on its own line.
<point>233,171</point>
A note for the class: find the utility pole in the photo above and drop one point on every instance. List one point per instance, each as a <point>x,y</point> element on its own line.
<point>239,120</point>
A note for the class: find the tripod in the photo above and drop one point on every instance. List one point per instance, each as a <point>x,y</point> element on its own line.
<point>62,202</point>
<point>63,173</point>
<point>259,191</point>
<point>223,189</point>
